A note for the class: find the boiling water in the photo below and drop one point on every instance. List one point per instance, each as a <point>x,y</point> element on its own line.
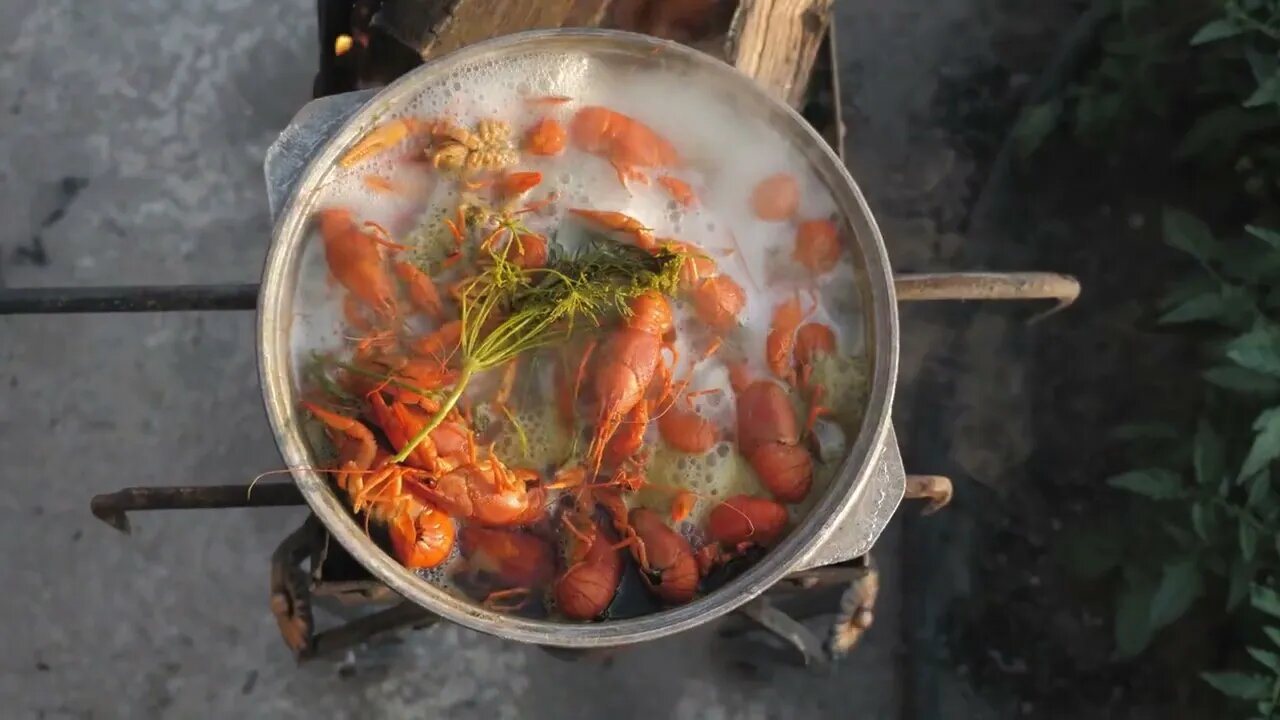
<point>725,154</point>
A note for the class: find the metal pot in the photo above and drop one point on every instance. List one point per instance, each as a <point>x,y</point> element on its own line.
<point>842,525</point>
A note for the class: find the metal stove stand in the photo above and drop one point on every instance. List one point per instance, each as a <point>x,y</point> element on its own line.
<point>384,48</point>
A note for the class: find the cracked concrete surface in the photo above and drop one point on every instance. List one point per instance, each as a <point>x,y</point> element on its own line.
<point>132,134</point>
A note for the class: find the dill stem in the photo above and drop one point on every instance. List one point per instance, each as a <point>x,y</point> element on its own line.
<point>387,379</point>
<point>468,369</point>
<point>500,337</point>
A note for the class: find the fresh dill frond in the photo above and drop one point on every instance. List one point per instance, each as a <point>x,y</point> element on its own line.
<point>507,310</point>
<point>604,273</point>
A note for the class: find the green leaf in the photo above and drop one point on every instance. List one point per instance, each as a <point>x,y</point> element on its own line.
<point>1266,600</point>
<point>1266,444</point>
<point>1268,93</point>
<point>1096,112</point>
<point>1262,65</point>
<point>1155,483</point>
<point>1148,431</point>
<point>1216,565</point>
<point>1133,619</point>
<point>1219,29</point>
<point>1247,535</point>
<point>1202,520</point>
<point>1269,660</point>
<point>1206,306</point>
<point>1189,234</point>
<point>1259,489</point>
<point>1180,585</point>
<point>1217,135</point>
<point>1270,237</point>
<point>1258,349</point>
<point>1266,504</point>
<point>1239,685</point>
<point>1242,380</point>
<point>1110,68</point>
<point>1035,126</point>
<point>1250,262</point>
<point>1207,454</point>
<point>1273,633</point>
<point>1238,581</point>
<point>1180,536</point>
<point>1182,290</point>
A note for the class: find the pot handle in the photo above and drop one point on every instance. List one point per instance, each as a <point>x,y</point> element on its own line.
<point>857,530</point>
<point>989,286</point>
<point>310,128</point>
<point>863,521</point>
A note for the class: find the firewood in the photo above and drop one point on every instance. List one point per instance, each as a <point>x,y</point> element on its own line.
<point>773,41</point>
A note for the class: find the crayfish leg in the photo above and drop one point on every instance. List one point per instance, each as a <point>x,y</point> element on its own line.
<point>378,140</point>
<point>509,600</point>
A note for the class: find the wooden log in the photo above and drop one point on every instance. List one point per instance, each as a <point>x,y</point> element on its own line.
<point>476,20</point>
<point>588,13</point>
<point>436,27</point>
<point>773,41</point>
<point>777,41</point>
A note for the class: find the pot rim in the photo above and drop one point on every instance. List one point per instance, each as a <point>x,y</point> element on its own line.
<point>274,363</point>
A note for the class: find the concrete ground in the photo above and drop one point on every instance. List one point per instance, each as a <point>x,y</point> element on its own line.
<point>132,134</point>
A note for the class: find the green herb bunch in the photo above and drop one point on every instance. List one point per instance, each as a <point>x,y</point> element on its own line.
<point>507,310</point>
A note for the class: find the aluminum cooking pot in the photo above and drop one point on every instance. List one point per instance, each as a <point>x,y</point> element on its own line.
<point>842,525</point>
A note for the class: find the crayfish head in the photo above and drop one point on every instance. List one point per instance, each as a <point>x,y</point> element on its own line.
<point>335,221</point>
<point>651,313</point>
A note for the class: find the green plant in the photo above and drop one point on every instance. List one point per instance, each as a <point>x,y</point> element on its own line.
<point>1215,512</point>
<point>1198,82</point>
<point>1242,81</point>
<point>1156,60</point>
<point>1138,42</point>
<point>1261,690</point>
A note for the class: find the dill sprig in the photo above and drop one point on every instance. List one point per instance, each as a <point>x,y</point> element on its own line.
<point>507,310</point>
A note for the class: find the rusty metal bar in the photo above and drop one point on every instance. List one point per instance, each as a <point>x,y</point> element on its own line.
<point>989,286</point>
<point>786,629</point>
<point>144,298</point>
<point>857,611</point>
<point>588,655</point>
<point>290,591</point>
<point>111,507</point>
<point>937,489</point>
<point>354,593</point>
<point>406,614</point>
<point>818,577</point>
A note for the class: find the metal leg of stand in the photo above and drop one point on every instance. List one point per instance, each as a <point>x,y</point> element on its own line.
<point>110,508</point>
